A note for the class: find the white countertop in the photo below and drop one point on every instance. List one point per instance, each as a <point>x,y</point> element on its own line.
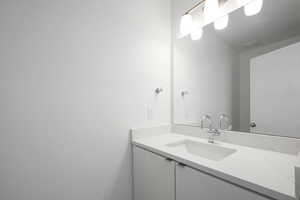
<point>267,172</point>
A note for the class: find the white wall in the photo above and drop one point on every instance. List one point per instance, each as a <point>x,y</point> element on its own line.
<point>75,76</point>
<point>245,57</point>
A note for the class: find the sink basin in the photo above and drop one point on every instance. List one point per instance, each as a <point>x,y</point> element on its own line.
<point>208,151</point>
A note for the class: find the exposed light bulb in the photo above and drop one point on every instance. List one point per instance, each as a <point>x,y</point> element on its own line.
<point>186,24</point>
<point>197,34</point>
<point>222,22</point>
<point>253,8</point>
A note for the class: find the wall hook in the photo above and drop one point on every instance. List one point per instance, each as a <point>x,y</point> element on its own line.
<point>183,93</point>
<point>158,90</point>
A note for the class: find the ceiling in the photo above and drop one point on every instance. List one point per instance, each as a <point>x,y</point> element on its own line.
<point>278,20</point>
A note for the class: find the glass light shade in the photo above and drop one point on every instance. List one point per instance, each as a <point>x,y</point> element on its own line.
<point>253,8</point>
<point>221,23</point>
<point>197,34</point>
<point>186,24</point>
<point>211,9</point>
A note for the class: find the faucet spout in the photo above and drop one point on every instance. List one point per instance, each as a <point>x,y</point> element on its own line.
<point>211,135</point>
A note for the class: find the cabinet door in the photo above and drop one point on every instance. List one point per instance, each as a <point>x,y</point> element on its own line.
<point>154,176</point>
<point>194,185</point>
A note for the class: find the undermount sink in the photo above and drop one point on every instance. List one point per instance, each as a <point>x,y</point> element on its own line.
<point>208,151</point>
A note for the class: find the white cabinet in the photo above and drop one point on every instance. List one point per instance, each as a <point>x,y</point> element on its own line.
<point>154,176</point>
<point>192,184</point>
<point>158,178</point>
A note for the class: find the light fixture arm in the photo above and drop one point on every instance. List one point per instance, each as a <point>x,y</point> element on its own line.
<point>199,4</point>
<point>194,7</point>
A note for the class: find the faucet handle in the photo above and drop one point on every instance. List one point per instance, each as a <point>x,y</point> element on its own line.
<point>225,122</point>
<point>206,118</point>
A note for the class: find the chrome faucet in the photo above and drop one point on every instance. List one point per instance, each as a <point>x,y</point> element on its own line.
<point>224,122</point>
<point>212,133</point>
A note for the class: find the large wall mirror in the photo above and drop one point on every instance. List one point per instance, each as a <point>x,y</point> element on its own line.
<point>247,74</point>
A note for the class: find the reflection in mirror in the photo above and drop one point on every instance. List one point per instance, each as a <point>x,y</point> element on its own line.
<point>248,71</point>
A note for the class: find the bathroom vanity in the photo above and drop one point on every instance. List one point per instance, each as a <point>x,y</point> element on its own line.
<point>178,163</point>
<point>236,104</point>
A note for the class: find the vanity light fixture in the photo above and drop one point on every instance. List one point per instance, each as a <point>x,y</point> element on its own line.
<point>221,23</point>
<point>211,10</point>
<point>210,14</point>
<point>253,8</point>
<point>186,24</point>
<point>197,34</point>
